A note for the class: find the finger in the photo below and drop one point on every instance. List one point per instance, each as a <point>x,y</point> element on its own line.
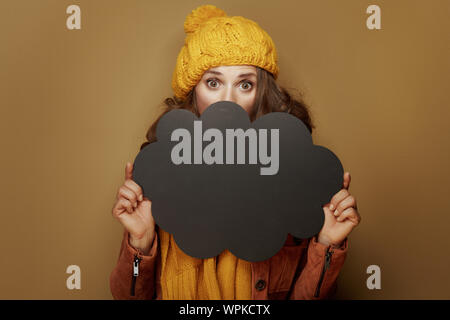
<point>338,197</point>
<point>350,214</point>
<point>121,206</point>
<point>133,186</point>
<point>347,178</point>
<point>126,204</point>
<point>127,193</point>
<point>328,213</point>
<point>348,202</point>
<point>128,171</point>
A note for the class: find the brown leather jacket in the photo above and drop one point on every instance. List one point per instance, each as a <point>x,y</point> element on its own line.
<point>302,269</point>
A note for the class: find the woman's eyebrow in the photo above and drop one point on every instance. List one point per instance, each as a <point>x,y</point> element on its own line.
<point>239,76</point>
<point>247,74</point>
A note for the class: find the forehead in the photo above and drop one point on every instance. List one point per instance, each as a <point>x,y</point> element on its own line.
<point>234,69</point>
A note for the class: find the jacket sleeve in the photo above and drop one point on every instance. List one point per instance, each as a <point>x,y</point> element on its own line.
<point>121,278</point>
<point>317,279</point>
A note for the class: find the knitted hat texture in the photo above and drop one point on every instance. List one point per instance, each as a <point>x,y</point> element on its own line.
<point>214,39</point>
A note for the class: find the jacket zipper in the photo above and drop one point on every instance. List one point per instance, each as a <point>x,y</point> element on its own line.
<point>325,267</point>
<point>136,261</point>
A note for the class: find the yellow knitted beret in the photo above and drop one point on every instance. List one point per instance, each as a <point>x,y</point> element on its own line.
<point>214,39</point>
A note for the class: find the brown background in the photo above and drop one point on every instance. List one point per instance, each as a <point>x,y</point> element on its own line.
<point>76,104</point>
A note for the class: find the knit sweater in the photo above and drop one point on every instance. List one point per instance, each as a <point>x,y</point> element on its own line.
<point>184,277</point>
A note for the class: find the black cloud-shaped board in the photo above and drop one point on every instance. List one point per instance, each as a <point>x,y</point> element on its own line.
<point>219,201</point>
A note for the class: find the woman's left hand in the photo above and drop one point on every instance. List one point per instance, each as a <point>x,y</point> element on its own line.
<point>341,216</point>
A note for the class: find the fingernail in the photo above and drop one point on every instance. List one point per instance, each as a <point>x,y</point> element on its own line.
<point>336,212</point>
<point>141,197</point>
<point>331,207</point>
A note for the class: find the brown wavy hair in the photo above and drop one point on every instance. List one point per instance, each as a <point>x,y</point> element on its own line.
<point>269,98</point>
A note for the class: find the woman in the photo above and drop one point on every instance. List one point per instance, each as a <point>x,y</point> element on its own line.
<point>232,59</point>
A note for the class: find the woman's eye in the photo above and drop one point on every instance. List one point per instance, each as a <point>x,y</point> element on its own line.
<point>246,85</point>
<point>212,83</point>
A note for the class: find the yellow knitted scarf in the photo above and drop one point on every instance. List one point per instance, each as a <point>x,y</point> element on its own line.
<point>224,277</point>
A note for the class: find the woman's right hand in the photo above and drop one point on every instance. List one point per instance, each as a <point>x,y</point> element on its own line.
<point>133,211</point>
